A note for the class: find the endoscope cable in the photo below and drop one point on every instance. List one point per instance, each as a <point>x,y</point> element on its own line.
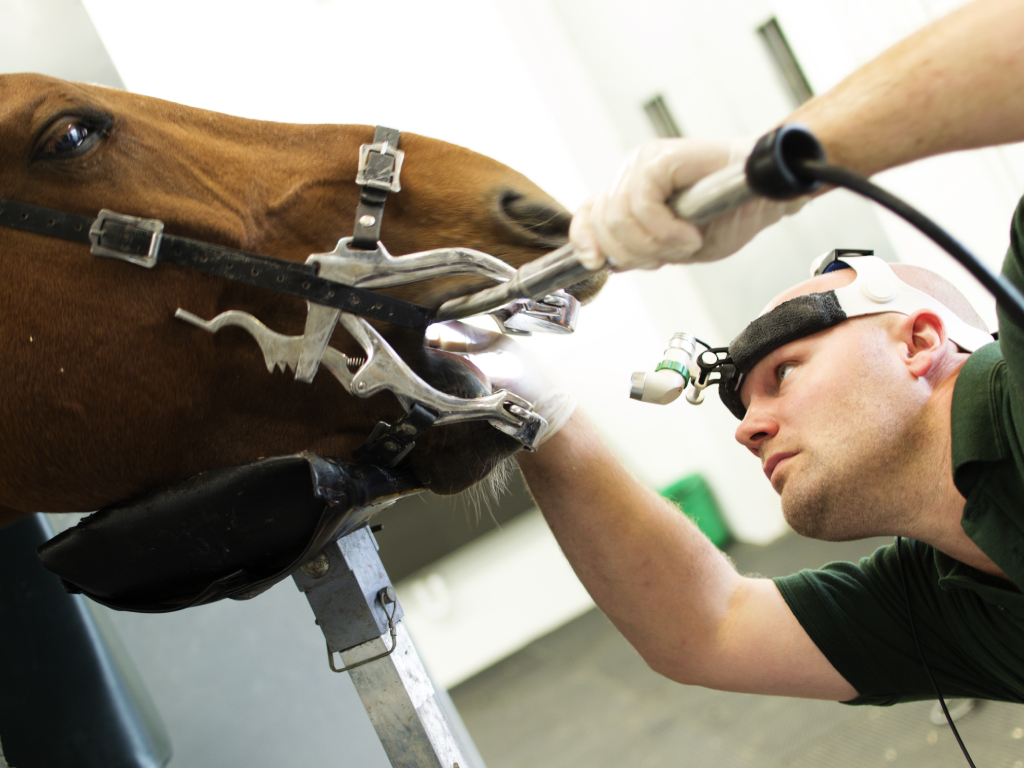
<point>920,652</point>
<point>1007,295</point>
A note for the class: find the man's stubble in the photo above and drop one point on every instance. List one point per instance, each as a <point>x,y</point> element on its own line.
<point>860,474</point>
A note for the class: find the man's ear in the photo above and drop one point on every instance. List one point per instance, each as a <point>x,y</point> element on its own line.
<point>925,336</point>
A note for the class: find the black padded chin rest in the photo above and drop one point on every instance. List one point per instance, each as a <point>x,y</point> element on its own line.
<point>230,532</point>
<point>791,320</point>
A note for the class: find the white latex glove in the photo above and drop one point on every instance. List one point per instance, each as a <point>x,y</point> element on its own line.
<point>629,226</point>
<point>508,366</point>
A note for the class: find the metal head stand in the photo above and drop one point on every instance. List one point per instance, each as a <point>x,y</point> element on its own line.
<point>259,523</point>
<point>356,607</point>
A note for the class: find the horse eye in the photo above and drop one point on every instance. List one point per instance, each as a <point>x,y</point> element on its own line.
<point>72,136</point>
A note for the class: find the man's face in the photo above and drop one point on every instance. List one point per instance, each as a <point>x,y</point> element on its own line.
<point>832,420</point>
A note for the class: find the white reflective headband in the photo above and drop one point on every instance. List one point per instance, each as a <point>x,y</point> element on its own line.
<point>877,289</point>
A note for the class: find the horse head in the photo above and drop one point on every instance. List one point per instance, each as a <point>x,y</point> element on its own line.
<point>106,395</point>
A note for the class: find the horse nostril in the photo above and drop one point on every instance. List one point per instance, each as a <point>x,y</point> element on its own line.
<point>543,223</point>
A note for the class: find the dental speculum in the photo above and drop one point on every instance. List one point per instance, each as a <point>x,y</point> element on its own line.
<point>382,369</point>
<point>875,289</point>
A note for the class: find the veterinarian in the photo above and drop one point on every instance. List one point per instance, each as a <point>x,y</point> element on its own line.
<point>877,425</point>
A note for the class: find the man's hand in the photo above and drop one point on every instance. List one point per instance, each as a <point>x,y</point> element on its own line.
<point>630,226</point>
<point>507,366</point>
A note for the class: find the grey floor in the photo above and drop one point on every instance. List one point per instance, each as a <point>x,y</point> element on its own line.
<point>246,683</point>
<point>581,696</point>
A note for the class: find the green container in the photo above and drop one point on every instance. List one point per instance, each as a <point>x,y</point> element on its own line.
<point>694,497</point>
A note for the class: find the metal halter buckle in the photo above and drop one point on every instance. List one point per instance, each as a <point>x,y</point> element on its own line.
<point>380,166</point>
<point>154,226</point>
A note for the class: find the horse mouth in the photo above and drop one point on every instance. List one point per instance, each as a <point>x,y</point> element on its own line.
<point>449,459</point>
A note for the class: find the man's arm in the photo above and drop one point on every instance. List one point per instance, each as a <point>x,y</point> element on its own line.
<point>955,84</point>
<point>667,588</point>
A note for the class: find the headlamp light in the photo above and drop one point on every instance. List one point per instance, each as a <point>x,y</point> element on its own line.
<point>876,289</point>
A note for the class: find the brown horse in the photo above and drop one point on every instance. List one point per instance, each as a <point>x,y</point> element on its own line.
<point>105,395</point>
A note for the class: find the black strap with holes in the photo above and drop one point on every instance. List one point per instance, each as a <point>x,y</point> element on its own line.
<point>287,277</point>
<point>45,221</point>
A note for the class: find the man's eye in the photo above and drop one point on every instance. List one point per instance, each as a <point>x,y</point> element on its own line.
<point>784,370</point>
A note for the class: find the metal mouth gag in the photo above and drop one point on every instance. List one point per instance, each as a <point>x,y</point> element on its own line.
<point>377,268</point>
<point>875,289</point>
<point>362,262</point>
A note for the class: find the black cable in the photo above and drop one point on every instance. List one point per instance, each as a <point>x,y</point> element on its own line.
<point>920,652</point>
<point>1007,295</point>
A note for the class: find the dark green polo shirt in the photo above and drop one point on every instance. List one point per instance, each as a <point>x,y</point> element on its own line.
<point>971,625</point>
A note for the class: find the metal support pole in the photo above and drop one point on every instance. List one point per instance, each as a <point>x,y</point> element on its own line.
<point>353,600</point>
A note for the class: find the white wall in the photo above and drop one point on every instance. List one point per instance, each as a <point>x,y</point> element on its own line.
<point>446,69</point>
<point>971,194</point>
<point>53,37</point>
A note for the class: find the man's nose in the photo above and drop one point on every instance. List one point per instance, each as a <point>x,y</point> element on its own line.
<point>757,426</point>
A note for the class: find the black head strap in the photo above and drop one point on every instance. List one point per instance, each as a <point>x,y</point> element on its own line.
<point>791,320</point>
<point>141,241</point>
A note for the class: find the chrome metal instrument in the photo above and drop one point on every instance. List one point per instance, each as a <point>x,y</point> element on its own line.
<point>555,313</point>
<point>767,172</point>
<point>384,371</point>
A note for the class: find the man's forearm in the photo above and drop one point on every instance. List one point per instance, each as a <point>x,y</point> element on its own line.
<point>956,84</point>
<point>649,568</point>
<point>667,588</point>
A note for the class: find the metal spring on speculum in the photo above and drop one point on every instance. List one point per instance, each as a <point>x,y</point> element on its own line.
<point>354,363</point>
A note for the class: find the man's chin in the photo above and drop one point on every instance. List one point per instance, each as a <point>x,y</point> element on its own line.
<point>807,515</point>
<point>818,521</point>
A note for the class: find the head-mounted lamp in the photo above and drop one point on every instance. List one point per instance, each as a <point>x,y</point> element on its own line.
<point>876,289</point>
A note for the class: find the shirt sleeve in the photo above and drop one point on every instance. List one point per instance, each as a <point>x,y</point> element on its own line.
<point>857,616</point>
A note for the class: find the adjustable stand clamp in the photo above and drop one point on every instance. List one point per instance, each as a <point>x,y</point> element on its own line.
<point>353,600</point>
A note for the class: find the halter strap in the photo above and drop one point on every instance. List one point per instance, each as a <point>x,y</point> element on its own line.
<point>380,168</point>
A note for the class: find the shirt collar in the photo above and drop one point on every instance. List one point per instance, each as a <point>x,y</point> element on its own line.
<point>975,422</point>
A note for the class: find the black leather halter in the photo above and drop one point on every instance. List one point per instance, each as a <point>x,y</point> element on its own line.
<point>144,242</point>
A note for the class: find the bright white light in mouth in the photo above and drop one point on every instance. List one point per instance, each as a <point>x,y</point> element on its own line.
<point>491,352</point>
<point>500,367</point>
<point>456,335</point>
<point>448,336</point>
